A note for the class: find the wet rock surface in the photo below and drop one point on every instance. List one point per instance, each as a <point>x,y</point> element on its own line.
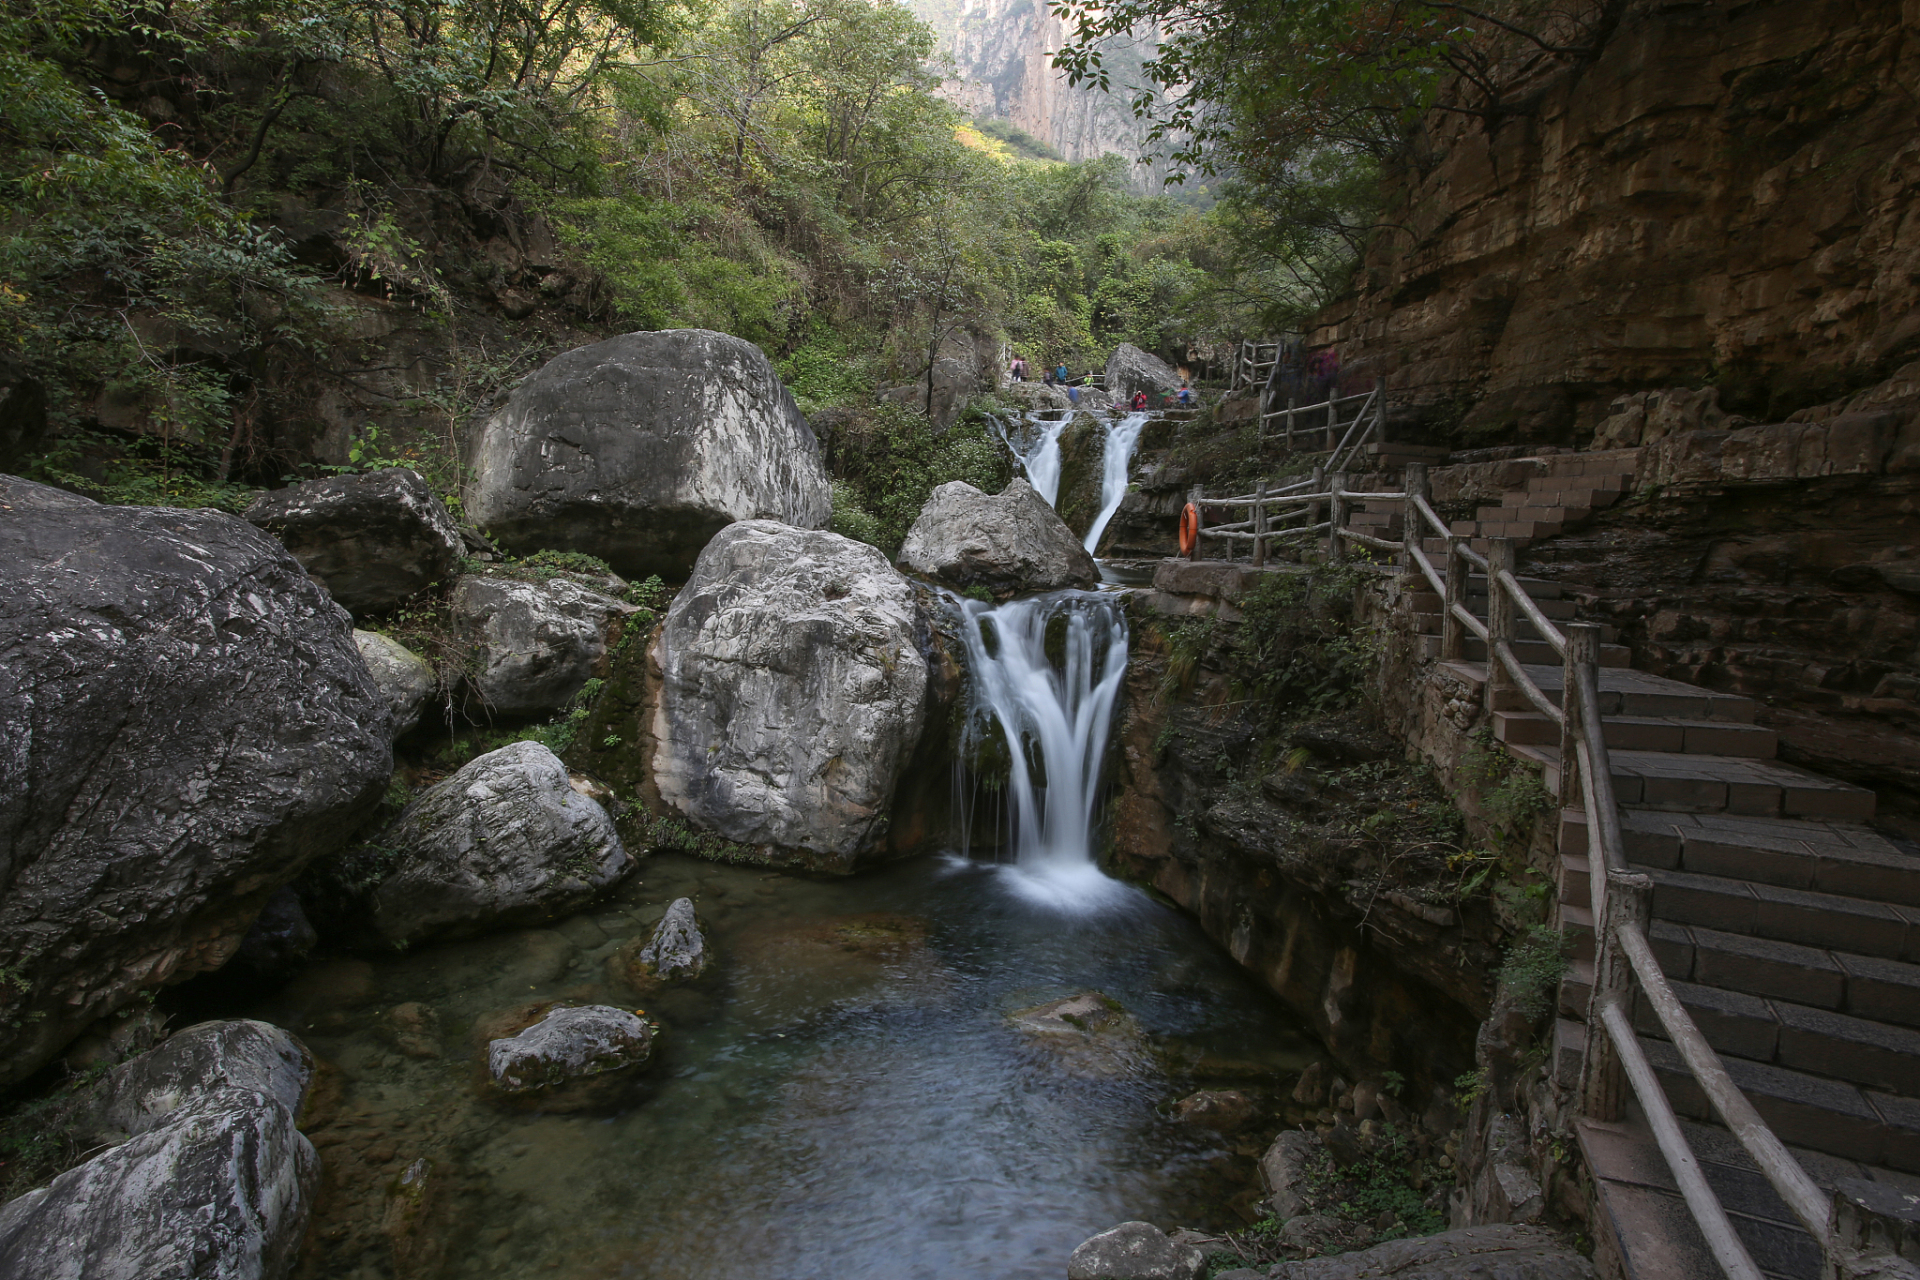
<point>640,448</point>
<point>676,951</point>
<point>505,841</point>
<point>1507,1252</point>
<point>187,724</point>
<point>1131,370</point>
<point>573,1059</point>
<point>402,676</point>
<point>1008,543</point>
<point>535,643</point>
<point>207,1177</point>
<point>1135,1251</point>
<point>791,691</point>
<point>373,539</point>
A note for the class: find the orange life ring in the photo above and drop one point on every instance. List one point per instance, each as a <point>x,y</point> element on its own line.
<point>1189,529</point>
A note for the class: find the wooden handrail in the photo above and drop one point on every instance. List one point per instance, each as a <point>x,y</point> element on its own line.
<point>1548,632</point>
<point>1439,526</point>
<point>1532,691</point>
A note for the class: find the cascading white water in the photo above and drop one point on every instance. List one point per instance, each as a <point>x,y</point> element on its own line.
<point>1037,447</point>
<point>1053,719</point>
<point>1122,435</point>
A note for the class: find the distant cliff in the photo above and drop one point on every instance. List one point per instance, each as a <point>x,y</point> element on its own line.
<point>1003,53</point>
<point>1723,197</point>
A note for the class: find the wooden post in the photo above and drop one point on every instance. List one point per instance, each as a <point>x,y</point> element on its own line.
<point>1260,523</point>
<point>1316,508</point>
<point>1290,400</point>
<point>1199,519</point>
<point>1411,523</point>
<point>1453,632</point>
<point>1603,1086</point>
<point>1500,615</point>
<point>1583,654</point>
<point>1336,516</point>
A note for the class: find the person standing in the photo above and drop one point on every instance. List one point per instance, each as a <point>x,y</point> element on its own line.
<point>1019,370</point>
<point>1139,402</point>
<point>1060,373</point>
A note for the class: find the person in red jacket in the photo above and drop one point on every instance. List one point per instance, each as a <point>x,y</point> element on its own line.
<point>1139,401</point>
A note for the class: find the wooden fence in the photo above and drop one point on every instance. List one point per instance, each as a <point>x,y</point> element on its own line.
<point>1622,897</point>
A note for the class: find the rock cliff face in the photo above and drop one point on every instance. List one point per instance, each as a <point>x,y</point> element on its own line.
<point>1003,50</point>
<point>1723,195</point>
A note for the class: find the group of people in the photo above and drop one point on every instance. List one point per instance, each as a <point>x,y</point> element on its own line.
<point>1058,377</point>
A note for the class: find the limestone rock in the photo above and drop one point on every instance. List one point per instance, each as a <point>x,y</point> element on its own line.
<point>186,723</point>
<point>505,841</point>
<point>1509,1252</point>
<point>209,1177</point>
<point>572,1059</point>
<point>403,677</point>
<point>954,383</point>
<point>1135,1251</point>
<point>1284,1168</point>
<point>791,693</point>
<point>676,950</point>
<point>374,539</point>
<point>1008,544</point>
<point>640,448</point>
<point>537,642</point>
<point>1131,370</point>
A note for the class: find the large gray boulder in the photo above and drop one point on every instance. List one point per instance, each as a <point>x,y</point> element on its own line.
<point>374,539</point>
<point>1009,543</point>
<point>207,1175</point>
<point>507,840</point>
<point>790,693</point>
<point>402,676</point>
<point>184,724</point>
<point>535,643</point>
<point>1135,1251</point>
<point>640,448</point>
<point>1130,370</point>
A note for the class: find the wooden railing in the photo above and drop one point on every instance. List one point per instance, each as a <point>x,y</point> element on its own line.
<point>1252,362</point>
<point>1614,1061</point>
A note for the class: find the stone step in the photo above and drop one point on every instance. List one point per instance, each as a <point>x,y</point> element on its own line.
<point>1417,452</point>
<point>1641,1219</point>
<point>1788,915</point>
<point>1864,987</point>
<point>1438,546</point>
<point>1717,784</point>
<point>1539,653</point>
<point>1555,608</point>
<point>1536,588</point>
<point>1794,853</point>
<point>1613,468</point>
<point>1623,692</point>
<point>1829,1116</point>
<point>1647,733</point>
<point>1559,515</point>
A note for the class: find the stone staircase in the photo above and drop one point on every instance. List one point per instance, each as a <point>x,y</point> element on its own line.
<point>1789,928</point>
<point>1574,486</point>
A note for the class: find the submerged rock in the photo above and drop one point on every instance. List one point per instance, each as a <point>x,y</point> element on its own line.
<point>791,693</point>
<point>536,643</point>
<point>208,1177</point>
<point>1135,1251</point>
<point>1091,1032</point>
<point>373,539</point>
<point>1222,1110</point>
<point>640,448</point>
<point>506,840</point>
<point>186,724</point>
<point>1474,1253</point>
<point>403,677</point>
<point>1008,544</point>
<point>676,951</point>
<point>573,1059</point>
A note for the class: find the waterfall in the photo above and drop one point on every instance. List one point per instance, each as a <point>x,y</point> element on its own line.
<point>1038,450</point>
<point>1122,435</point>
<point>1051,706</point>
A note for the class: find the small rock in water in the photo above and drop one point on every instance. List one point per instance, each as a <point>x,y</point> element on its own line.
<point>414,1221</point>
<point>574,1059</point>
<point>1135,1251</point>
<point>676,951</point>
<point>415,1028</point>
<point>1091,1032</point>
<point>1222,1110</point>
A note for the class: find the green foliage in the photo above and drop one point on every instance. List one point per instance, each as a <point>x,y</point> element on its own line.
<point>1299,639</point>
<point>1535,962</point>
<point>889,460</point>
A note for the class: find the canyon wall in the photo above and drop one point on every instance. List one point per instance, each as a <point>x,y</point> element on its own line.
<point>1002,52</point>
<point>1723,196</point>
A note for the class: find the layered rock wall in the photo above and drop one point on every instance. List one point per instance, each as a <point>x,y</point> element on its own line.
<point>1723,195</point>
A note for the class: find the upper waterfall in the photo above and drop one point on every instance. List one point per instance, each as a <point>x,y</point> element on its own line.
<point>1122,435</point>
